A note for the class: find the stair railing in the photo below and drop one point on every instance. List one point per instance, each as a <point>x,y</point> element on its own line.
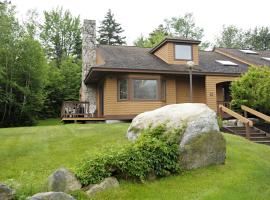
<point>255,112</point>
<point>248,123</point>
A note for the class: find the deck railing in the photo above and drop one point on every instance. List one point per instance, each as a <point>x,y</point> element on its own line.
<point>248,123</point>
<point>76,109</point>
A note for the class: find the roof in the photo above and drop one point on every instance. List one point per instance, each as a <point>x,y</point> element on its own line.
<point>130,58</point>
<point>254,59</point>
<point>174,39</point>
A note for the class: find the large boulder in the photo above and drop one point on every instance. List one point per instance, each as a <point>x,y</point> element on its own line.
<point>107,183</point>
<point>51,196</point>
<point>6,193</point>
<point>62,180</point>
<point>201,142</point>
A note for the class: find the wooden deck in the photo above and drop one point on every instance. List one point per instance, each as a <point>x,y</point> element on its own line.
<point>83,119</point>
<point>79,111</point>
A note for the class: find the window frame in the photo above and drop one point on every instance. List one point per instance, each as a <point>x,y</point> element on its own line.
<point>130,89</point>
<point>118,89</point>
<point>174,52</point>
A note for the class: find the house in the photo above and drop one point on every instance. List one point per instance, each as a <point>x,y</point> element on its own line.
<point>119,82</point>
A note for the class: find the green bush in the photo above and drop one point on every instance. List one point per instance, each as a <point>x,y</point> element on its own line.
<point>153,152</point>
<point>252,89</point>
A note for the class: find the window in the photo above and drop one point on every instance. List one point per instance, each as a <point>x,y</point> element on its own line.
<point>145,89</point>
<point>246,51</point>
<point>163,90</point>
<point>141,89</point>
<point>123,89</point>
<point>226,62</point>
<point>266,58</point>
<point>182,52</point>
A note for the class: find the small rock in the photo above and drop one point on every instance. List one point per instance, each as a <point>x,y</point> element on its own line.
<point>62,180</point>
<point>110,182</point>
<point>5,192</point>
<point>51,196</point>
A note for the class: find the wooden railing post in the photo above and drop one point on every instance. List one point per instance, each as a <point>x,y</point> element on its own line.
<point>247,130</point>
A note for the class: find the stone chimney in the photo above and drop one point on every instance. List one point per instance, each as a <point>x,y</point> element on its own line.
<point>88,92</point>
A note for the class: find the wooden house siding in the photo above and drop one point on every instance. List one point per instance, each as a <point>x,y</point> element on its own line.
<point>214,93</point>
<point>182,89</point>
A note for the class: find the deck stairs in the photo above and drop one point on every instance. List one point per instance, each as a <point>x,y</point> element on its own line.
<point>256,135</point>
<point>248,130</point>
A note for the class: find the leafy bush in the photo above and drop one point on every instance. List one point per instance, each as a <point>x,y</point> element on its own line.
<point>153,152</point>
<point>252,89</point>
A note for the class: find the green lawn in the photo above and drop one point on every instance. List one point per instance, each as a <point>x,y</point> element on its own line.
<point>28,155</point>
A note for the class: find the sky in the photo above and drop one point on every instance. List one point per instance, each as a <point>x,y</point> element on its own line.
<point>142,16</point>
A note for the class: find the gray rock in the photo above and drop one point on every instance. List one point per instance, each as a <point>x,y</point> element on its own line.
<point>6,193</point>
<point>200,123</point>
<point>51,196</point>
<point>205,149</point>
<point>62,180</point>
<point>108,183</point>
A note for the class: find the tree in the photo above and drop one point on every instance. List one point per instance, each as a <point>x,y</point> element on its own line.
<point>184,27</point>
<point>154,38</point>
<point>63,85</point>
<point>22,71</point>
<point>232,37</point>
<point>110,31</point>
<point>253,89</point>
<point>61,35</point>
<point>259,38</point>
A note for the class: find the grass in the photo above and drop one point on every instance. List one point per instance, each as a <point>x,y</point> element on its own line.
<point>28,155</point>
<point>49,122</point>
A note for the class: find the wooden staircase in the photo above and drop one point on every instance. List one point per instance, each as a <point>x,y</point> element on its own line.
<point>248,130</point>
<point>256,135</point>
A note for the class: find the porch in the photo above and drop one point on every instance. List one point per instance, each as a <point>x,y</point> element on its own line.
<point>79,111</point>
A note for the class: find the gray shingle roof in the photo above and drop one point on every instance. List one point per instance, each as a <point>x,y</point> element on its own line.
<point>127,57</point>
<point>255,59</point>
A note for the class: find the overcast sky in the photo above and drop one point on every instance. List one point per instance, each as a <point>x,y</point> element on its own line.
<point>142,16</point>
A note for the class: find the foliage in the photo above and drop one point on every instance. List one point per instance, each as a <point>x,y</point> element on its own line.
<point>253,89</point>
<point>182,26</point>
<point>61,35</point>
<point>63,84</point>
<point>234,37</point>
<point>110,31</point>
<point>23,71</point>
<point>152,152</point>
<point>154,38</point>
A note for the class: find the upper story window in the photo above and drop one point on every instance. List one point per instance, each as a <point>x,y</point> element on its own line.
<point>182,52</point>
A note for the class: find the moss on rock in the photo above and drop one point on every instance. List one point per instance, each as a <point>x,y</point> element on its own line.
<point>205,149</point>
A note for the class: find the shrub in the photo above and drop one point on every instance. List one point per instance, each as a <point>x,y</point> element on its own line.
<point>153,152</point>
<point>252,89</point>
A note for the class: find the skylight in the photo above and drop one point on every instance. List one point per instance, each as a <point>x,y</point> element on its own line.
<point>248,51</point>
<point>226,63</point>
<point>266,58</point>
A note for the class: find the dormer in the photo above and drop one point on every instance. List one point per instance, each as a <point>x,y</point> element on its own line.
<point>177,50</point>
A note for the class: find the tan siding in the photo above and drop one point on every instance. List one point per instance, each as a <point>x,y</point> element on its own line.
<point>212,91</point>
<point>182,90</point>
<point>113,107</point>
<point>162,53</point>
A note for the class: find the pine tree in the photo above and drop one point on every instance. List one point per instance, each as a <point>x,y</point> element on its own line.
<point>110,31</point>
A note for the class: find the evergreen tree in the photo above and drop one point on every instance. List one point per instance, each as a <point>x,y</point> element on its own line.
<point>110,31</point>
